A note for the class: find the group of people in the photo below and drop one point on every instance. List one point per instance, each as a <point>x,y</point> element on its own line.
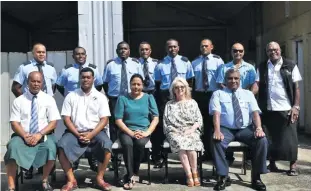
<point>149,99</point>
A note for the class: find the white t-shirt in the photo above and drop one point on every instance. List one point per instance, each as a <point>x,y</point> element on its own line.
<point>277,96</point>
<point>85,110</point>
<point>47,110</point>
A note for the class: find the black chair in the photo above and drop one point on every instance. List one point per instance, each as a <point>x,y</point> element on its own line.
<point>117,149</point>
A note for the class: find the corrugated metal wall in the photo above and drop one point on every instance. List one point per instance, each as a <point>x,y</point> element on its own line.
<point>100,29</point>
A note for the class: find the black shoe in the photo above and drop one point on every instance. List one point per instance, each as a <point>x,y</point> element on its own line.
<point>258,185</point>
<point>158,163</point>
<point>28,173</point>
<point>222,182</point>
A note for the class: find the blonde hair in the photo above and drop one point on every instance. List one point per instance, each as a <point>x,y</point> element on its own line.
<point>185,83</point>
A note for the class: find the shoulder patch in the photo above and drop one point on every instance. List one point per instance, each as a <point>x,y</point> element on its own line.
<point>109,61</point>
<point>68,66</point>
<point>135,60</point>
<point>26,63</point>
<point>197,57</point>
<point>216,56</point>
<point>50,63</point>
<point>184,59</point>
<point>93,66</point>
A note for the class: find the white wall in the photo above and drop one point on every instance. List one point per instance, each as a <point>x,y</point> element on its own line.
<point>9,64</point>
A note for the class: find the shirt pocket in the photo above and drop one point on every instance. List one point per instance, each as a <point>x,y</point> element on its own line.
<point>132,71</point>
<point>115,76</point>
<point>198,70</point>
<point>226,105</point>
<point>181,71</point>
<point>165,73</point>
<point>43,110</point>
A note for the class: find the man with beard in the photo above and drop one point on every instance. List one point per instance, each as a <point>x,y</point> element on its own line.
<point>204,84</point>
<point>279,98</point>
<point>172,66</point>
<point>69,80</point>
<point>85,112</point>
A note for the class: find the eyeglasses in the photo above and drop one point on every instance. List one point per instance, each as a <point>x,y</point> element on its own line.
<point>179,87</point>
<point>236,50</point>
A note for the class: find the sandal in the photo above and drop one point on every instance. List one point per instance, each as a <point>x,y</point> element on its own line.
<point>105,186</point>
<point>292,172</point>
<point>46,186</point>
<point>190,180</point>
<point>196,179</point>
<point>69,186</point>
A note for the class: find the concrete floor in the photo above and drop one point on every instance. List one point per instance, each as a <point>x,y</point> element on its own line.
<point>274,181</point>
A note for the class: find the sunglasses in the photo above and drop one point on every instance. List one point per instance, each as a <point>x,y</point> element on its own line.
<point>236,50</point>
<point>179,87</point>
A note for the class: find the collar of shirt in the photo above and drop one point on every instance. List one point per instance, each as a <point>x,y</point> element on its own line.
<point>34,62</point>
<point>76,65</point>
<point>30,95</point>
<point>276,67</point>
<point>141,60</point>
<point>170,58</point>
<point>209,56</point>
<point>81,92</point>
<point>230,91</point>
<point>230,64</point>
<point>119,60</point>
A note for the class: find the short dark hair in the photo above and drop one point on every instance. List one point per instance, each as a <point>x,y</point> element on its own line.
<point>172,39</point>
<point>144,42</point>
<point>78,47</point>
<point>123,42</point>
<point>137,76</point>
<point>87,69</point>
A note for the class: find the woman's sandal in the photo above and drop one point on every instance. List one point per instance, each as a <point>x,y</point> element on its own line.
<point>190,180</point>
<point>196,179</point>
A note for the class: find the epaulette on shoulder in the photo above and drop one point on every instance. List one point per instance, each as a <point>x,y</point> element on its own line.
<point>26,63</point>
<point>109,61</point>
<point>135,60</point>
<point>197,57</point>
<point>68,66</point>
<point>93,66</point>
<point>184,59</point>
<point>216,56</point>
<point>50,63</point>
<point>155,60</point>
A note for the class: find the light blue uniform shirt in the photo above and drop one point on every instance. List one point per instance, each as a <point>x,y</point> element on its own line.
<point>162,71</point>
<point>69,77</point>
<point>152,63</point>
<point>50,76</point>
<point>221,101</point>
<point>112,74</point>
<point>214,62</point>
<point>247,73</point>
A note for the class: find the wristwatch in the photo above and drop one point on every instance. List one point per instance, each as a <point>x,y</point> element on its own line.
<point>297,107</point>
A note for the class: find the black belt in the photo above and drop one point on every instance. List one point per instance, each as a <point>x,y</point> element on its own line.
<point>112,97</point>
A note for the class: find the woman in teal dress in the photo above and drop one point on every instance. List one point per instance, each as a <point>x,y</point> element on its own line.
<point>133,113</point>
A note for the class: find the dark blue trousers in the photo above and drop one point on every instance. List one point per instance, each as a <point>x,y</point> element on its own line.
<point>259,148</point>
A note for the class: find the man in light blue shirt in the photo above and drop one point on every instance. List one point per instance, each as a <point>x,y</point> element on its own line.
<point>234,110</point>
<point>172,66</point>
<point>114,76</point>
<point>69,79</point>
<point>148,66</point>
<point>20,80</point>
<point>247,71</point>
<point>204,84</point>
<point>38,63</point>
